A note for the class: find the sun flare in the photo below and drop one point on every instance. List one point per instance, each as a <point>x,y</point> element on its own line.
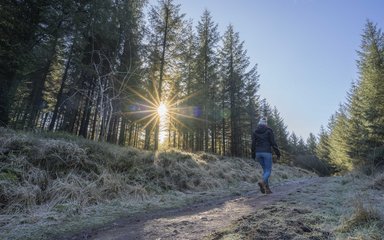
<point>162,110</point>
<point>168,114</point>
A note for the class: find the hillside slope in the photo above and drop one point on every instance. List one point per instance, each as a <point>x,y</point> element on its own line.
<point>50,180</point>
<point>55,185</point>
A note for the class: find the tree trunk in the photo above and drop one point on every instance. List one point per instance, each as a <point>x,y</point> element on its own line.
<point>60,93</point>
<point>123,130</point>
<point>71,110</point>
<point>86,113</point>
<point>147,138</point>
<point>6,95</point>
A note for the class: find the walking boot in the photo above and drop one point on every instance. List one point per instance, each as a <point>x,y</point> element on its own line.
<point>262,186</point>
<point>267,190</point>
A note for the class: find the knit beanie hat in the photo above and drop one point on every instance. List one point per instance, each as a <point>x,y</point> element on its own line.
<point>263,121</point>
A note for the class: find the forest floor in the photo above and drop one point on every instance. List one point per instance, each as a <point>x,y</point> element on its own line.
<point>312,208</point>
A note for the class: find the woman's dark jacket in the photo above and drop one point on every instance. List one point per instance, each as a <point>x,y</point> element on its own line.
<point>263,140</point>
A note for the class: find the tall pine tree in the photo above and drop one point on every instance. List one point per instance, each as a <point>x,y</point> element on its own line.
<point>367,103</point>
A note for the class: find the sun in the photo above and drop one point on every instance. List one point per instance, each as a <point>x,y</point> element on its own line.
<point>162,110</point>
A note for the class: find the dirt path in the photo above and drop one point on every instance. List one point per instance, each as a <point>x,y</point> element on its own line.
<point>195,221</point>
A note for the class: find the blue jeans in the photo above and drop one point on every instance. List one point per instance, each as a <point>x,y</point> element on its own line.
<point>265,160</point>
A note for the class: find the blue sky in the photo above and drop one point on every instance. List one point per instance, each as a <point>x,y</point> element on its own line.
<point>305,50</point>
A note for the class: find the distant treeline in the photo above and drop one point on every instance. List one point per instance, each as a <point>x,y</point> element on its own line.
<point>100,68</point>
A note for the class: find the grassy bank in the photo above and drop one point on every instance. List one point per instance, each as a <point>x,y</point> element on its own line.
<point>55,183</point>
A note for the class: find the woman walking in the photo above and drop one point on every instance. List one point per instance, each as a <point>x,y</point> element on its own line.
<point>263,141</point>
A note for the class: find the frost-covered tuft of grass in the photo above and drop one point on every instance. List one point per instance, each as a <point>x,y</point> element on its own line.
<point>365,222</point>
